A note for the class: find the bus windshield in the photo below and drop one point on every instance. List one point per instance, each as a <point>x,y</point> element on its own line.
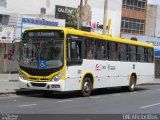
<point>42,53</point>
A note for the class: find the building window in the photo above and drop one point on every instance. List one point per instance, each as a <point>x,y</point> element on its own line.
<point>133,26</point>
<point>4,19</point>
<point>0,19</point>
<point>2,3</point>
<point>138,5</point>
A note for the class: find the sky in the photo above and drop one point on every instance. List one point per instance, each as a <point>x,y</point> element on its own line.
<point>154,2</point>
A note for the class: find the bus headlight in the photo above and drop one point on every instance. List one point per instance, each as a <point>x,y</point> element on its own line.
<point>57,77</point>
<point>22,76</point>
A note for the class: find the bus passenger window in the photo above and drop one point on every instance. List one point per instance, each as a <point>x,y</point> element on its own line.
<point>145,54</point>
<point>132,53</point>
<point>74,51</point>
<point>150,55</point>
<point>122,48</point>
<point>140,54</point>
<point>89,54</point>
<point>89,48</point>
<point>100,49</point>
<point>113,53</point>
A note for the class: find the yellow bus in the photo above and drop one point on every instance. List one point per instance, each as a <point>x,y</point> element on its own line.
<point>63,59</point>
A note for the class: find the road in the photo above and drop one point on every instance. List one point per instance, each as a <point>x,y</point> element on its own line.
<point>146,99</point>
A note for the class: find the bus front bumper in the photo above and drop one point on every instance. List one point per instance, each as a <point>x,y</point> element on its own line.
<point>53,86</point>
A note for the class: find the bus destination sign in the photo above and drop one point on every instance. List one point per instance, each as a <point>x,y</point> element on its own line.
<point>44,34</point>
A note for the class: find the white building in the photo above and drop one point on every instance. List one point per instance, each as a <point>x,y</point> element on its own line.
<point>153,21</point>
<point>2,6</point>
<point>158,22</point>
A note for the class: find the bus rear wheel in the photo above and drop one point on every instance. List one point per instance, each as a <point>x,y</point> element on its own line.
<point>132,84</point>
<point>86,87</point>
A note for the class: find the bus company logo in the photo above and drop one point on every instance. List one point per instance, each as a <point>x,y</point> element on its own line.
<point>98,67</point>
<point>110,67</point>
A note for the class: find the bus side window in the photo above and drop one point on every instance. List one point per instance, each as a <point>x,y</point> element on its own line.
<point>89,48</point>
<point>140,54</point>
<point>126,52</point>
<point>145,54</point>
<point>110,49</point>
<point>122,48</point>
<point>150,55</point>
<point>74,51</point>
<point>132,53</point>
<point>100,49</point>
<point>113,53</point>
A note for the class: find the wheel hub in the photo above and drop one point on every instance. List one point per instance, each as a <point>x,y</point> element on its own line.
<point>86,87</point>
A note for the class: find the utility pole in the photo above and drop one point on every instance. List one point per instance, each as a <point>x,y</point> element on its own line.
<point>80,15</point>
<point>105,16</point>
<point>155,26</point>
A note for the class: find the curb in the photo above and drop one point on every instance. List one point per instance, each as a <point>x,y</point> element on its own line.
<point>13,80</point>
<point>7,93</point>
<point>21,92</point>
<point>150,84</point>
<point>17,91</point>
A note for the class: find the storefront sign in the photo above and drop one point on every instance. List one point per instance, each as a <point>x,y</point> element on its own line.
<point>67,13</point>
<point>7,34</point>
<point>37,23</point>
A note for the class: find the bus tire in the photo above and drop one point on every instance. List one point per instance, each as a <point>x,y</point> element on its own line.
<point>86,87</point>
<point>132,84</point>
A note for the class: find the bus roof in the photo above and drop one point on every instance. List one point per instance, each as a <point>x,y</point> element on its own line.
<point>98,36</point>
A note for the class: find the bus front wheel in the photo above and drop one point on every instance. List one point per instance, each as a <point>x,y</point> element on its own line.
<point>86,87</point>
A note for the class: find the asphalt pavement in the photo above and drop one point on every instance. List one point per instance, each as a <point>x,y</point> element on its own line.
<point>9,83</point>
<point>144,100</point>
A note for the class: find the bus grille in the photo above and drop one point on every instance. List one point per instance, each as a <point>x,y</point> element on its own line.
<point>38,84</point>
<point>39,79</point>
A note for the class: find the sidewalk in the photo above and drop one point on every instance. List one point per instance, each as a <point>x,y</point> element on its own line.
<point>156,81</point>
<point>9,83</point>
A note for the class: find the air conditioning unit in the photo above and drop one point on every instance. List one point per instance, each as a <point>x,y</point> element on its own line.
<point>43,11</point>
